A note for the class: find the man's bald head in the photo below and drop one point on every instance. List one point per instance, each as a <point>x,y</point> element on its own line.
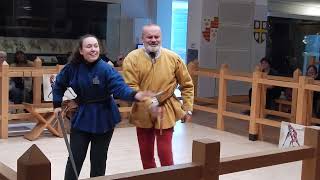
<point>150,27</point>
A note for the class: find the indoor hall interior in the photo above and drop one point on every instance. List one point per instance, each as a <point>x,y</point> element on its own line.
<point>239,39</point>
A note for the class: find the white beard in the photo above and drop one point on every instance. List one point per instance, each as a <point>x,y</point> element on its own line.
<point>152,48</point>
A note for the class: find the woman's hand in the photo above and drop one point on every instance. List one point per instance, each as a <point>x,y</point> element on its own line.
<point>57,112</point>
<point>144,95</point>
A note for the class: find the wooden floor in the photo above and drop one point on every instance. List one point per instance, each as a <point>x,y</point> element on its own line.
<point>124,157</point>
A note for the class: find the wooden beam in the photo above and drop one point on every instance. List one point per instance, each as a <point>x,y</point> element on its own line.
<point>236,115</point>
<point>311,166</point>
<point>205,108</point>
<point>206,72</point>
<point>4,96</point>
<point>301,116</point>
<point>222,99</point>
<point>278,78</point>
<point>264,159</point>
<point>278,113</point>
<point>36,84</point>
<point>297,73</point>
<point>255,111</point>
<point>206,152</point>
<point>278,83</point>
<point>190,171</point>
<point>238,78</point>
<point>268,122</point>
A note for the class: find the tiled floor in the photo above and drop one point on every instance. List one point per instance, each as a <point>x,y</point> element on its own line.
<point>124,156</point>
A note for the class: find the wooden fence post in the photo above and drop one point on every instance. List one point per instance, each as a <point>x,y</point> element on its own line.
<point>311,167</point>
<point>255,110</point>
<point>301,116</point>
<point>4,106</point>
<point>207,153</point>
<point>194,66</point>
<point>297,73</point>
<point>33,164</point>
<point>222,98</point>
<point>37,81</point>
<point>309,110</point>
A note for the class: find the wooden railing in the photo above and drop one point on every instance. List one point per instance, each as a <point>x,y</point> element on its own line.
<point>36,73</point>
<point>206,163</point>
<point>302,88</point>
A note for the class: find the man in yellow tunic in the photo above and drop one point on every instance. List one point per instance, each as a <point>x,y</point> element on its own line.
<point>159,70</point>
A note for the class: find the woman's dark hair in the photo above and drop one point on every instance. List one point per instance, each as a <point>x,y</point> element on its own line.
<point>16,59</point>
<point>314,68</point>
<point>265,60</point>
<point>76,57</point>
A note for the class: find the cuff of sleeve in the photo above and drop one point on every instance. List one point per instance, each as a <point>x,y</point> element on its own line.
<point>154,102</point>
<point>187,108</point>
<point>133,94</point>
<point>56,104</point>
<point>151,102</point>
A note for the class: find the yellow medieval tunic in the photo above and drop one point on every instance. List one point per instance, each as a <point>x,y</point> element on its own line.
<point>161,76</point>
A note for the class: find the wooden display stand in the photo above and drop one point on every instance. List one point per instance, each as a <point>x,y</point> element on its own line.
<point>44,118</point>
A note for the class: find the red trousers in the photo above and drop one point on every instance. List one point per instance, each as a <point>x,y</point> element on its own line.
<point>146,138</point>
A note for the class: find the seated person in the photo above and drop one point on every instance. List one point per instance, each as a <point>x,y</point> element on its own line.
<point>20,88</point>
<point>3,57</point>
<point>272,92</point>
<point>312,71</point>
<point>119,61</point>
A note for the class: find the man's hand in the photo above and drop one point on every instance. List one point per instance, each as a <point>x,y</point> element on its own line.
<point>186,118</point>
<point>156,111</point>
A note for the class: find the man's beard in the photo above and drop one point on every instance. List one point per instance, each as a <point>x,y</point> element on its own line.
<point>150,48</point>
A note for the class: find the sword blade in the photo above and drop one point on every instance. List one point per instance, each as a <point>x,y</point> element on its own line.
<point>68,145</point>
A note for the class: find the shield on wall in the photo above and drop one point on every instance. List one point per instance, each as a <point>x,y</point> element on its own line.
<point>260,31</point>
<point>210,26</point>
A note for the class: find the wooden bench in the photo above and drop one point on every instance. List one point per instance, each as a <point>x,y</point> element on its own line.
<point>45,120</point>
<point>283,103</point>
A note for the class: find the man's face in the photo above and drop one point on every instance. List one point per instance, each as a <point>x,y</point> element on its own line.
<point>151,38</point>
<point>20,57</point>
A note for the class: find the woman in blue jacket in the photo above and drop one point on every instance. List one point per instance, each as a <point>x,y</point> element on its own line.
<point>94,82</point>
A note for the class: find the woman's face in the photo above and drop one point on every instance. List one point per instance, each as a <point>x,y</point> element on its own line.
<point>90,49</point>
<point>265,65</point>
<point>312,73</point>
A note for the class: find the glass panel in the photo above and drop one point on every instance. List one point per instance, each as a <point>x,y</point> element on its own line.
<point>312,50</point>
<point>179,28</point>
<point>50,27</point>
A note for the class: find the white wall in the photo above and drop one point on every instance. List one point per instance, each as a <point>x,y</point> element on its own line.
<point>259,50</point>
<point>194,22</point>
<point>207,49</point>
<point>233,42</point>
<point>132,11</point>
